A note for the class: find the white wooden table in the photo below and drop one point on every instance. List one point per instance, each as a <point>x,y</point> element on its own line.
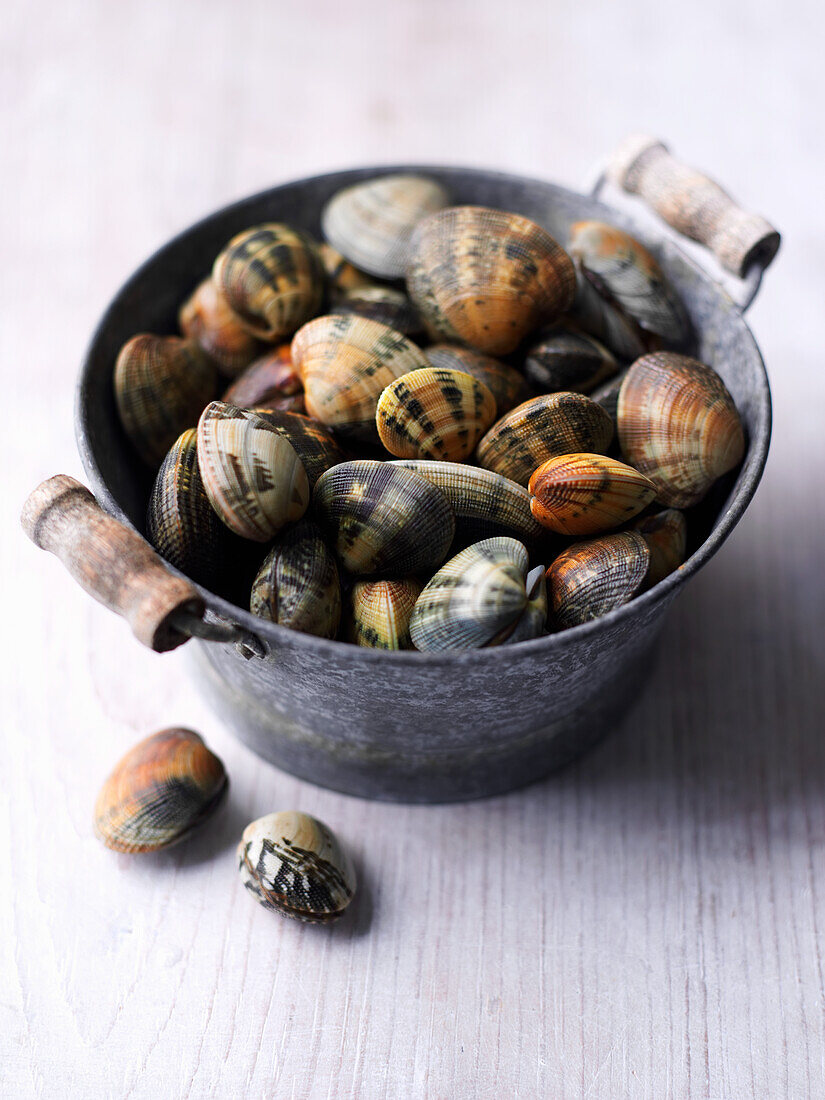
<point>647,924</point>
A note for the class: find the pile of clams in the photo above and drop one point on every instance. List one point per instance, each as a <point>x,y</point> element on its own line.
<point>440,429</point>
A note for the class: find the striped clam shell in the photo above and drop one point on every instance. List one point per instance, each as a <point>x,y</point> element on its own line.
<point>485,503</point>
<point>161,790</point>
<point>591,578</point>
<point>486,278</point>
<point>293,863</point>
<point>477,599</point>
<point>553,424</point>
<point>508,386</point>
<point>585,494</point>
<point>371,222</point>
<point>380,613</point>
<point>340,273</point>
<point>315,446</point>
<point>297,585</point>
<point>434,413</point>
<point>631,276</point>
<point>679,425</point>
<point>346,363</point>
<point>206,318</point>
<point>383,304</point>
<point>666,536</point>
<point>254,479</point>
<point>570,361</point>
<point>181,523</point>
<point>272,380</point>
<point>602,318</point>
<point>383,519</point>
<point>272,278</point>
<point>161,385</point>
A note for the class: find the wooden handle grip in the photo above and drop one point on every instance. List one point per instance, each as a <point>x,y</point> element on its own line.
<point>693,204</point>
<point>109,560</point>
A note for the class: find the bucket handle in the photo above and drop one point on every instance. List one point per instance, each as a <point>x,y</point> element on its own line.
<point>120,570</point>
<point>695,206</point>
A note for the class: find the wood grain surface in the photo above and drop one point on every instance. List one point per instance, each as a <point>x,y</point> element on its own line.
<point>647,924</point>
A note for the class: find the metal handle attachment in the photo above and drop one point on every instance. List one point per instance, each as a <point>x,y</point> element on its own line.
<point>744,244</point>
<point>120,570</point>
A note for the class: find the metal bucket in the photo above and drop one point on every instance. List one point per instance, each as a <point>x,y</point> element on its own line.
<point>409,726</point>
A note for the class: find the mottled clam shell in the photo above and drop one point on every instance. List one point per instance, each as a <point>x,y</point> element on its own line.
<point>272,277</point>
<point>475,600</point>
<point>254,479</point>
<point>161,790</point>
<point>486,278</point>
<point>272,380</point>
<point>631,276</point>
<point>206,318</point>
<point>434,413</point>
<point>181,523</point>
<point>340,273</point>
<point>485,504</point>
<point>346,363</point>
<point>298,585</point>
<point>591,578</point>
<point>380,613</point>
<point>161,385</point>
<point>315,446</point>
<point>383,304</point>
<point>371,222</point>
<point>679,425</point>
<point>666,536</point>
<point>553,424</point>
<point>569,361</point>
<point>384,519</point>
<point>508,386</point>
<point>294,864</point>
<point>585,494</point>
<point>601,317</point>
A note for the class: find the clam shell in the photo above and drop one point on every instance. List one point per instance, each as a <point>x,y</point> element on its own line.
<point>181,523</point>
<point>272,380</point>
<point>485,503</point>
<point>383,304</point>
<point>434,413</point>
<point>486,278</point>
<point>317,449</point>
<point>584,494</point>
<point>340,273</point>
<point>600,317</point>
<point>161,790</point>
<point>254,479</point>
<point>569,361</point>
<point>293,863</point>
<point>631,276</point>
<point>384,519</point>
<point>371,222</point>
<point>297,585</point>
<point>533,621</point>
<point>607,396</point>
<point>679,425</point>
<point>161,385</point>
<point>666,536</point>
<point>554,424</point>
<point>475,600</point>
<point>206,318</point>
<point>507,385</point>
<point>591,578</point>
<point>272,278</point>
<point>346,363</point>
<point>380,613</point>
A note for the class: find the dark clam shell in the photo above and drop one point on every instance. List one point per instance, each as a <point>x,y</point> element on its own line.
<point>297,585</point>
<point>272,380</point>
<point>571,361</point>
<point>383,304</point>
<point>591,578</point>
<point>161,790</point>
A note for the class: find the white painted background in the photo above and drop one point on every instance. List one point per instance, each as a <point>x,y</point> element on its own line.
<point>647,924</point>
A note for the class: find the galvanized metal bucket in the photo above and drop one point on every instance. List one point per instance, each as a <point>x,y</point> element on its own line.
<point>410,726</point>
